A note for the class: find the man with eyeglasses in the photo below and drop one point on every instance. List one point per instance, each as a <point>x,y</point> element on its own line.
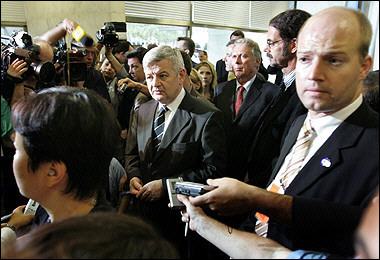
<point>276,120</point>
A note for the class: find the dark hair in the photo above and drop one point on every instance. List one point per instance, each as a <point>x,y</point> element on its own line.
<point>76,44</point>
<point>189,45</point>
<point>205,52</point>
<point>237,33</point>
<point>371,89</point>
<point>186,61</point>
<point>151,46</point>
<point>289,23</point>
<point>138,53</point>
<point>123,46</point>
<point>97,235</point>
<point>230,42</point>
<point>71,125</point>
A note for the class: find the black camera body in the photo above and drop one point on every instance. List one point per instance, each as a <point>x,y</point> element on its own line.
<point>73,68</point>
<point>107,35</point>
<point>191,188</point>
<point>21,47</point>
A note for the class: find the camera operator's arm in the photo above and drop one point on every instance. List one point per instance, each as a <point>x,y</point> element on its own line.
<point>114,62</point>
<point>134,85</point>
<point>16,69</point>
<point>53,35</point>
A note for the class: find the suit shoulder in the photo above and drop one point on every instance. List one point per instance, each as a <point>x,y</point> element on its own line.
<point>220,86</point>
<point>199,104</point>
<point>270,85</point>
<point>148,103</point>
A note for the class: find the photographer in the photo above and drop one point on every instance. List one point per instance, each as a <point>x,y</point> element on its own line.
<point>25,65</point>
<point>122,101</point>
<point>94,79</point>
<point>14,72</point>
<point>120,50</point>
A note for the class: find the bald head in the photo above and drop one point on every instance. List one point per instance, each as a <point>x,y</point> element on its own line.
<point>330,62</point>
<point>343,22</point>
<point>46,51</point>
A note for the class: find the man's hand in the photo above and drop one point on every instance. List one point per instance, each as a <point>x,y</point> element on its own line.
<point>123,183</point>
<point>135,185</point>
<point>194,215</point>
<point>69,25</point>
<point>124,134</point>
<point>130,83</point>
<point>151,191</point>
<point>17,68</point>
<point>228,198</point>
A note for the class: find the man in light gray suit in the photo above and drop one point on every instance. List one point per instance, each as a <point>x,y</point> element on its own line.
<point>193,144</point>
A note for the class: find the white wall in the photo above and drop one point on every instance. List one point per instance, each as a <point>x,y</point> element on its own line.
<point>90,15</point>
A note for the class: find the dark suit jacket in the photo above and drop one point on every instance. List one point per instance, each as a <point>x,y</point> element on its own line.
<point>277,71</point>
<point>271,128</point>
<point>193,147</point>
<point>350,181</point>
<point>238,128</point>
<point>222,74</point>
<point>95,81</point>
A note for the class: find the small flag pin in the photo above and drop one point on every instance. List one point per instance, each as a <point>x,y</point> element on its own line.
<point>326,162</point>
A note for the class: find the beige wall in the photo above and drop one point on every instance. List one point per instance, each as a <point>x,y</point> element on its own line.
<point>90,15</point>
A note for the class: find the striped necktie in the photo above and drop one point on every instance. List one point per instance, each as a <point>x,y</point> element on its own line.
<point>300,150</point>
<point>158,128</point>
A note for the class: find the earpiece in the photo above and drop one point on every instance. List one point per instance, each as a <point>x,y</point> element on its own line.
<point>51,173</point>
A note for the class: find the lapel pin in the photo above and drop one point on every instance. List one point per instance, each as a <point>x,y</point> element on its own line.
<point>326,162</point>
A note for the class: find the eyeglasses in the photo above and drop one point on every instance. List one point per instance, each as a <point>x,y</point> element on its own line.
<point>274,44</point>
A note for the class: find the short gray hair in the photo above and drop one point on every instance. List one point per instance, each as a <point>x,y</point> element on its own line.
<point>164,52</point>
<point>255,47</point>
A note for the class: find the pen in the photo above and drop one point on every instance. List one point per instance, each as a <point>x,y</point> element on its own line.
<point>186,228</point>
<point>6,217</point>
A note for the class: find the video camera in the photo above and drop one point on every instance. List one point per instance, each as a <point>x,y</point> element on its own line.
<point>107,35</point>
<point>70,60</point>
<point>21,47</point>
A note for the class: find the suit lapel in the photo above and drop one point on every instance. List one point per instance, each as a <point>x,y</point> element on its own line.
<point>230,96</point>
<point>288,144</point>
<point>250,98</point>
<point>178,122</point>
<point>145,128</point>
<point>276,107</point>
<point>328,156</point>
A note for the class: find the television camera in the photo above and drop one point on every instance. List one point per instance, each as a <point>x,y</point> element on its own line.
<point>107,35</point>
<point>21,46</point>
<point>70,61</point>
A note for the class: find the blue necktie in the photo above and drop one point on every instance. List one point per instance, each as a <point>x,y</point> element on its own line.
<point>158,128</point>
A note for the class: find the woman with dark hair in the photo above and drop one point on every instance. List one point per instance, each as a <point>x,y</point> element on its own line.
<point>65,140</point>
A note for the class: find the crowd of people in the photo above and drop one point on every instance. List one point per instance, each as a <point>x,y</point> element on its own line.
<point>293,164</point>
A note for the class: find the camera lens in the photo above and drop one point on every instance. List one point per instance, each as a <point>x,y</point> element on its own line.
<point>45,71</point>
<point>77,71</point>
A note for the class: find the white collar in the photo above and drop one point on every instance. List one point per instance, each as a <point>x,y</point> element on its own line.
<point>175,103</point>
<point>247,85</point>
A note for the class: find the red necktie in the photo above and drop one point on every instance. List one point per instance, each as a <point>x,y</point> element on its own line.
<point>239,100</point>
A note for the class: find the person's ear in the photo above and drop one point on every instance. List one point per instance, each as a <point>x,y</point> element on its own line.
<point>365,66</point>
<point>182,75</point>
<point>56,173</point>
<point>293,46</point>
